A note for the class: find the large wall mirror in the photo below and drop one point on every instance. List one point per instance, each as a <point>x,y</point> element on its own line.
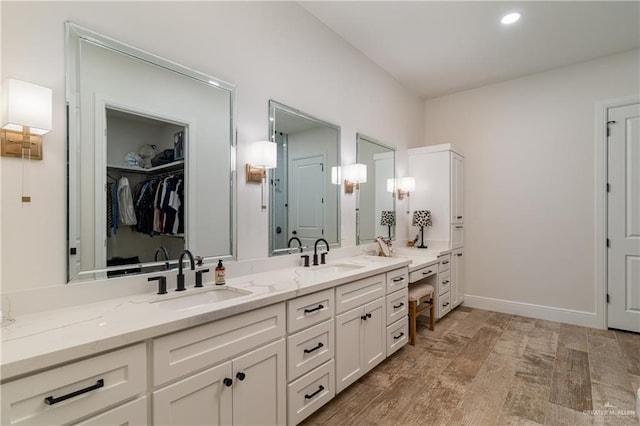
<point>150,160</point>
<point>304,203</point>
<point>377,206</point>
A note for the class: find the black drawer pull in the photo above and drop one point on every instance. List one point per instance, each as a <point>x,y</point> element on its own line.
<point>446,304</point>
<point>399,336</point>
<point>445,282</point>
<point>459,227</point>
<point>458,217</point>
<point>50,400</point>
<point>307,311</point>
<point>400,305</point>
<point>427,273</point>
<point>308,351</point>
<point>320,389</point>
<point>459,254</point>
<point>445,262</point>
<point>397,280</point>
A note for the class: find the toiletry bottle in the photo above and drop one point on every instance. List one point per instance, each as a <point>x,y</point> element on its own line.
<point>220,273</point>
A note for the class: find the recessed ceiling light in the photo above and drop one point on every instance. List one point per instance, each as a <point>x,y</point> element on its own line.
<point>510,18</point>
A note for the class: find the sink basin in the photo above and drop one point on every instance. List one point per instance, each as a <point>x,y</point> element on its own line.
<point>326,271</point>
<point>187,301</point>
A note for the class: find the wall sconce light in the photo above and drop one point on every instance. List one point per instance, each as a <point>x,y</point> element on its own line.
<point>263,155</point>
<point>26,116</point>
<point>407,184</point>
<point>354,175</point>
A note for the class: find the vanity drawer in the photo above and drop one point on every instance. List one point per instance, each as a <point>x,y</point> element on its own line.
<point>425,272</point>
<point>305,311</point>
<point>457,236</point>
<point>397,335</point>
<point>444,305</point>
<point>104,381</point>
<point>358,293</point>
<point>397,279</point>
<point>310,392</point>
<point>184,352</point>
<point>444,282</point>
<point>397,306</point>
<point>131,413</point>
<point>309,349</point>
<point>445,263</point>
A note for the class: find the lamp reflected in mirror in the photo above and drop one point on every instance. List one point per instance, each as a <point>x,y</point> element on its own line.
<point>263,156</point>
<point>388,219</point>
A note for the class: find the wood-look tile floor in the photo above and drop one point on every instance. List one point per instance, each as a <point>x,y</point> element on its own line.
<point>487,368</point>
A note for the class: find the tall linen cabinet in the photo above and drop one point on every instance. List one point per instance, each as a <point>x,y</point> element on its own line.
<point>439,174</point>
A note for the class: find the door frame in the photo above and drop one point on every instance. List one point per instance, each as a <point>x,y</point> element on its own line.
<point>601,271</point>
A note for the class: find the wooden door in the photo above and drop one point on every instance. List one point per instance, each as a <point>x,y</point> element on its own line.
<point>623,216</point>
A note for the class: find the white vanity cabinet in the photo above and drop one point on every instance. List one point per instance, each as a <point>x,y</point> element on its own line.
<point>457,277</point>
<point>397,307</point>
<point>360,328</point>
<point>310,353</point>
<point>80,390</point>
<point>231,371</point>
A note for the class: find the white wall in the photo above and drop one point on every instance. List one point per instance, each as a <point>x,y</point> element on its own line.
<point>268,49</point>
<point>530,185</point>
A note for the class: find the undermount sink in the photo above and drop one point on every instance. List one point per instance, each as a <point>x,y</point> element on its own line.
<point>328,270</point>
<point>187,301</point>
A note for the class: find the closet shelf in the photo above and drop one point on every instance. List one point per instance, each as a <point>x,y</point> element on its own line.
<point>169,166</point>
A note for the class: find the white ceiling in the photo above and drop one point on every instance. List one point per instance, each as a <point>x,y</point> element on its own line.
<point>437,48</point>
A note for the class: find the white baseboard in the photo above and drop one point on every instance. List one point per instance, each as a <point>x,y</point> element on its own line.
<point>569,316</point>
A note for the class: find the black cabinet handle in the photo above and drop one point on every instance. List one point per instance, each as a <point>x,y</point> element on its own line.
<point>308,351</point>
<point>368,315</point>
<point>427,273</point>
<point>400,305</point>
<point>397,280</point>
<point>399,336</point>
<point>307,311</point>
<point>459,254</point>
<point>459,227</point>
<point>445,282</point>
<point>458,217</point>
<point>445,262</point>
<point>320,389</point>
<point>363,317</point>
<point>50,400</point>
<point>445,305</point>
<point>240,375</point>
<point>227,382</point>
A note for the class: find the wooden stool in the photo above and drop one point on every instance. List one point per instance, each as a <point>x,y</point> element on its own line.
<point>420,299</point>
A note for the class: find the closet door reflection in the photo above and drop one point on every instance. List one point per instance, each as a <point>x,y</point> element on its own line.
<point>304,202</point>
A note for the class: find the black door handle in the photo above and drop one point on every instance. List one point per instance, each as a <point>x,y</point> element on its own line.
<point>320,389</point>
<point>240,375</point>
<point>294,232</point>
<point>50,400</point>
<point>308,351</point>
<point>227,382</point>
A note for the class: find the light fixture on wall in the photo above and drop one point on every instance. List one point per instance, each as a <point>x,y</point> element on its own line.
<point>407,184</point>
<point>263,155</point>
<point>26,116</point>
<point>422,218</point>
<point>354,175</point>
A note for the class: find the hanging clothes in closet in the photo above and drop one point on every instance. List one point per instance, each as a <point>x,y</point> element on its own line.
<point>159,205</point>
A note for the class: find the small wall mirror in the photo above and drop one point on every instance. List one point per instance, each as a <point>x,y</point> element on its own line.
<point>305,204</point>
<point>150,159</point>
<point>377,206</point>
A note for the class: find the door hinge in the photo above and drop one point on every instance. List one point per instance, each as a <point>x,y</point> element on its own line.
<point>607,297</point>
<point>608,243</point>
<point>608,188</point>
<point>608,130</point>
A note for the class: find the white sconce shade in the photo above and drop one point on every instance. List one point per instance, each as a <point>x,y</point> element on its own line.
<point>408,184</point>
<point>391,185</point>
<point>264,154</point>
<point>335,175</point>
<point>26,105</point>
<point>356,173</point>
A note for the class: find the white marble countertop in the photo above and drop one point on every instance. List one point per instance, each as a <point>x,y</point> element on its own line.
<point>44,339</point>
<point>420,257</point>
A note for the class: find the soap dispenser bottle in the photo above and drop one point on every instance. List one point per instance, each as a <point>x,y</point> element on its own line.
<point>220,273</point>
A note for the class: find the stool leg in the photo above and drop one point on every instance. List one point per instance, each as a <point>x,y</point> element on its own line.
<point>432,315</point>
<point>412,323</point>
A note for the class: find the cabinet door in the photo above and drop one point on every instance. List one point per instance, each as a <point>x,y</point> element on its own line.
<point>349,347</point>
<point>457,188</point>
<point>200,399</point>
<point>259,386</point>
<point>457,277</point>
<point>374,331</point>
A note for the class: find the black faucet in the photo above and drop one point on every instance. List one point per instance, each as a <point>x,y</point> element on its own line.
<point>315,251</point>
<point>299,243</point>
<point>181,286</point>
<point>164,251</point>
